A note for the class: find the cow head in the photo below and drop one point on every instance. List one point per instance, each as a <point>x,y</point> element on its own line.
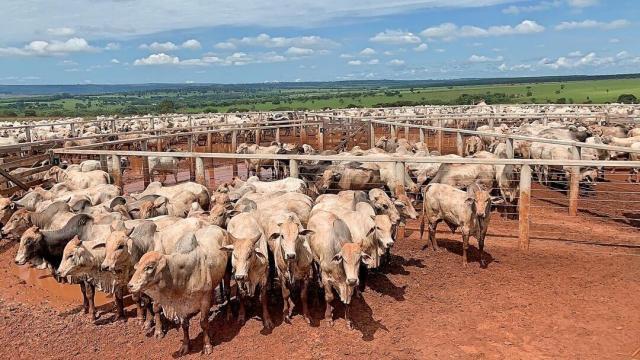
<point>31,243</point>
<point>350,257</point>
<point>17,223</point>
<point>149,209</point>
<point>148,271</point>
<point>404,204</point>
<point>220,213</point>
<point>117,254</point>
<point>382,204</point>
<point>242,148</point>
<point>479,199</point>
<point>382,231</point>
<point>244,252</point>
<point>329,176</point>
<point>288,235</point>
<point>77,258</point>
<point>7,209</point>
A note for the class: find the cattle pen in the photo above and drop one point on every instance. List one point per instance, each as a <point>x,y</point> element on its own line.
<point>562,252</point>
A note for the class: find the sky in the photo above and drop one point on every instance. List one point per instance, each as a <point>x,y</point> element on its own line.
<point>255,41</point>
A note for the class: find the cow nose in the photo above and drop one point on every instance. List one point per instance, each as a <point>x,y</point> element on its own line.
<point>291,256</point>
<point>104,268</point>
<point>390,244</point>
<point>130,286</point>
<point>241,277</point>
<point>352,282</point>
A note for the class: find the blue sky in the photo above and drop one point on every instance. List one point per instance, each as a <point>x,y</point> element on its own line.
<point>224,41</point>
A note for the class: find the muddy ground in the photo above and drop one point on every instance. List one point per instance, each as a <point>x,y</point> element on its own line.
<point>574,295</point>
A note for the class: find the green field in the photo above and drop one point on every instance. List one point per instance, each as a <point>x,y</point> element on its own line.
<point>250,98</point>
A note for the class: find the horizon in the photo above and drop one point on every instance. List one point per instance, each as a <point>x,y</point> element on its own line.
<point>108,42</point>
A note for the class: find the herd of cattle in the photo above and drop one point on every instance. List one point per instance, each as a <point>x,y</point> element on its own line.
<point>178,249</point>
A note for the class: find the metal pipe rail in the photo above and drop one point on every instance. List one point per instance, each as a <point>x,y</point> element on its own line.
<point>512,137</point>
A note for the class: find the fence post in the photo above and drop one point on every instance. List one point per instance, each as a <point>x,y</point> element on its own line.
<point>406,132</point>
<point>574,190</point>
<point>440,138</point>
<point>303,133</point>
<point>321,136</point>
<point>146,176</point>
<point>209,141</point>
<point>104,163</point>
<point>113,126</point>
<point>278,134</point>
<point>394,131</point>
<point>422,138</point>
<point>491,123</point>
<point>200,174</point>
<point>116,173</point>
<point>524,207</point>
<point>372,135</point>
<point>509,144</point>
<point>152,123</point>
<point>258,133</point>
<point>459,144</point>
<point>234,147</point>
<point>27,131</point>
<point>73,130</point>
<point>293,169</point>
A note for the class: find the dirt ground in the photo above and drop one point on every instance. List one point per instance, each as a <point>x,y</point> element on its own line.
<point>573,295</point>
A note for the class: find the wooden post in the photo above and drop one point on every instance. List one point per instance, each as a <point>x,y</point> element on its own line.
<point>116,173</point>
<point>321,136</point>
<point>574,190</point>
<point>278,134</point>
<point>113,126</point>
<point>422,138</point>
<point>372,135</point>
<point>73,130</point>
<point>406,132</point>
<point>234,147</point>
<point>27,131</point>
<point>104,163</point>
<point>293,169</point>
<point>152,123</point>
<point>545,120</point>
<point>200,174</point>
<point>258,133</point>
<point>303,134</point>
<point>509,143</point>
<point>524,207</point>
<point>491,123</point>
<point>440,138</point>
<point>209,141</point>
<point>459,144</point>
<point>400,173</point>
<point>192,165</point>
<point>394,132</point>
<point>146,176</point>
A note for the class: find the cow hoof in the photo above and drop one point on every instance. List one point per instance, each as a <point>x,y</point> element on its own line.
<point>268,324</point>
<point>140,321</point>
<point>158,334</point>
<point>349,325</point>
<point>330,322</point>
<point>184,350</point>
<point>241,319</point>
<point>307,319</point>
<point>287,319</point>
<point>207,350</point>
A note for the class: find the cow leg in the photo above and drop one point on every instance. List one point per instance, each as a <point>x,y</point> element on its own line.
<point>364,273</point>
<point>304,299</point>
<point>91,292</point>
<point>140,309</point>
<point>184,349</point>
<point>266,318</point>
<point>465,247</point>
<point>241,311</point>
<point>204,324</point>
<point>481,248</point>
<point>157,318</point>
<point>286,299</point>
<point>227,290</point>
<point>347,316</point>
<point>118,295</point>
<point>328,298</point>
<point>432,237</point>
<point>85,300</point>
<point>175,177</point>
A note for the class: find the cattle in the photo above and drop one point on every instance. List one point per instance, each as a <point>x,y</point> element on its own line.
<point>472,145</point>
<point>182,282</point>
<point>79,180</point>
<point>254,165</point>
<point>249,262</point>
<point>7,208</point>
<point>348,176</point>
<point>179,195</point>
<point>338,259</point>
<point>163,165</point>
<point>287,184</point>
<point>468,211</point>
<point>54,216</point>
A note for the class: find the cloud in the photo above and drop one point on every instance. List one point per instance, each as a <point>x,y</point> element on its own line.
<point>157,59</point>
<point>396,62</point>
<point>156,46</point>
<point>61,31</point>
<point>191,44</point>
<point>481,59</point>
<point>395,37</point>
<point>225,45</point>
<point>367,52</point>
<point>542,6</point>
<point>421,47</point>
<point>355,62</point>
<point>52,48</point>
<point>591,59</point>
<point>268,41</point>
<point>614,41</point>
<point>450,31</point>
<point>115,61</point>
<point>519,67</point>
<point>296,51</point>
<point>112,46</point>
<point>590,24</point>
<point>582,3</point>
<point>373,62</point>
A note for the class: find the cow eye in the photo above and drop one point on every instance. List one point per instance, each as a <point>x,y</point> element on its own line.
<point>121,247</point>
<point>148,269</point>
<point>385,206</point>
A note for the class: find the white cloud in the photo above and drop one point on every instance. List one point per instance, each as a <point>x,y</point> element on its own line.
<point>519,67</point>
<point>355,62</point>
<point>61,31</point>
<point>191,44</point>
<point>575,53</point>
<point>367,52</point>
<point>622,55</point>
<point>590,24</point>
<point>373,62</point>
<point>450,31</point>
<point>346,56</point>
<point>396,37</point>
<point>115,61</point>
<point>157,59</point>
<point>614,41</point>
<point>156,46</point>
<point>46,48</point>
<point>542,6</point>
<point>582,3</point>
<point>396,62</point>
<point>591,59</point>
<point>440,50</point>
<point>68,63</point>
<point>268,41</point>
<point>112,46</point>
<point>421,47</point>
<point>296,51</point>
<point>480,59</point>
<point>225,45</point>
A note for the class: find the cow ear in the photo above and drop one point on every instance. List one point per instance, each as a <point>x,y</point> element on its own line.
<point>470,200</point>
<point>371,231</point>
<point>398,203</point>
<point>337,258</point>
<point>227,248</point>
<point>306,232</point>
<point>337,176</point>
<point>274,236</point>
<point>366,259</point>
<point>497,200</point>
<point>99,245</point>
<point>260,254</point>
<point>232,213</point>
<point>13,206</point>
